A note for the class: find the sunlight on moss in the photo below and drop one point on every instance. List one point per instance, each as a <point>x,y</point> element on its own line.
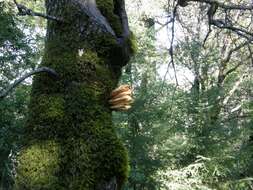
<point>38,165</point>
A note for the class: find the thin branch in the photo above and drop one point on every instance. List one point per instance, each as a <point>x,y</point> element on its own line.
<point>223,75</point>
<point>233,69</point>
<point>230,6</point>
<point>162,25</point>
<point>235,109</point>
<point>207,35</point>
<point>234,89</point>
<point>171,51</point>
<point>229,54</point>
<point>172,19</point>
<point>223,65</point>
<point>23,11</point>
<point>226,24</point>
<point>17,82</point>
<point>251,54</point>
<point>239,31</point>
<point>210,13</point>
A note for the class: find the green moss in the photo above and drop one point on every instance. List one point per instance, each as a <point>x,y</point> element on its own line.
<point>107,9</point>
<point>38,165</point>
<point>107,43</point>
<point>74,163</point>
<point>133,43</point>
<point>89,56</point>
<point>52,107</point>
<point>46,109</point>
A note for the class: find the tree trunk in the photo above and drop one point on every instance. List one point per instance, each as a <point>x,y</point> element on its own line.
<point>70,142</point>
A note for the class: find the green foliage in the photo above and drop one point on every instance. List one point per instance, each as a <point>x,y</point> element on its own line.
<point>12,113</point>
<point>185,137</point>
<point>17,55</point>
<point>139,128</point>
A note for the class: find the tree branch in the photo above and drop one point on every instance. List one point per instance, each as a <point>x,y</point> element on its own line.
<point>17,82</point>
<point>239,31</point>
<point>230,6</point>
<point>207,35</point>
<point>233,69</point>
<point>251,54</point>
<point>171,49</point>
<point>227,57</point>
<point>23,11</point>
<point>230,52</point>
<point>220,23</point>
<point>123,39</point>
<point>94,14</point>
<point>121,11</point>
<point>210,13</point>
<point>91,10</point>
<point>234,89</point>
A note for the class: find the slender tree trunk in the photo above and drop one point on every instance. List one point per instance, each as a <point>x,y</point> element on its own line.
<point>70,142</point>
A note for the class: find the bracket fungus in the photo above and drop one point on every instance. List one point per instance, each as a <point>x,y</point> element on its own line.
<point>121,98</point>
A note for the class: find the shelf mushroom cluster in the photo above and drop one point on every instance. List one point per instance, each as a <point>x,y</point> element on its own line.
<point>121,98</point>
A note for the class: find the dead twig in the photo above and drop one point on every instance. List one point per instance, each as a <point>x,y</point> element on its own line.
<point>23,11</point>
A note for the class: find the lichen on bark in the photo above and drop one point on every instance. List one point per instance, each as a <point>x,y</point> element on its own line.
<point>70,141</point>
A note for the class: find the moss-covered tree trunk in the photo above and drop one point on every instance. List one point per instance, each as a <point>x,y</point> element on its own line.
<point>70,142</point>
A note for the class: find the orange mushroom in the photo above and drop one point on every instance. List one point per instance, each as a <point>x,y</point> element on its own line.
<point>121,99</point>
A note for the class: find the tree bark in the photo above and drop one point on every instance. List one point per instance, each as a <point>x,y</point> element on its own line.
<point>70,141</point>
